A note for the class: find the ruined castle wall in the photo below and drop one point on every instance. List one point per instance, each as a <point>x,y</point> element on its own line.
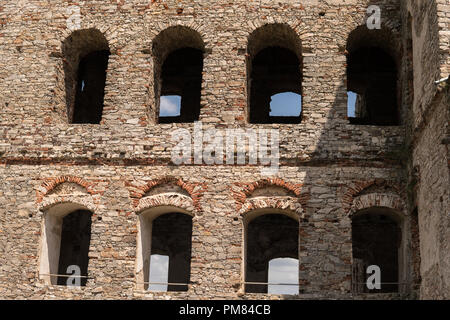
<point>328,159</point>
<point>431,161</point>
<point>325,253</point>
<point>429,137</point>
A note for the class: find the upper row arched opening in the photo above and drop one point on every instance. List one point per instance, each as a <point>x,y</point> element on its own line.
<point>86,54</point>
<point>372,78</point>
<point>274,75</point>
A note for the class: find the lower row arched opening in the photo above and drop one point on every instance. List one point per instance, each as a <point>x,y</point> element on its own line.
<point>377,248</point>
<point>65,245</point>
<point>271,254</point>
<point>271,249</point>
<point>164,257</point>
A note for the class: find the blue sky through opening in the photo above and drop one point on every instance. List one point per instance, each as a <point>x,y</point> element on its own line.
<point>351,102</point>
<point>169,106</point>
<point>283,270</point>
<point>286,104</point>
<point>159,272</point>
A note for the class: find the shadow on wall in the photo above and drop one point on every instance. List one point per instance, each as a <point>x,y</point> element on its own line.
<point>371,140</point>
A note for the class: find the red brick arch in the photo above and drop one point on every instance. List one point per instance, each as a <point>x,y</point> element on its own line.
<point>353,190</point>
<point>51,183</point>
<point>169,199</point>
<point>85,202</point>
<point>387,200</point>
<point>241,191</point>
<point>139,189</point>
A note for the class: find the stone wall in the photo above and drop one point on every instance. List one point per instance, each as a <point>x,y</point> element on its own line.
<point>326,163</point>
<point>433,180</point>
<point>429,182</point>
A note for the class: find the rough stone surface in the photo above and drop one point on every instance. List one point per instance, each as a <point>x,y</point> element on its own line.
<point>329,168</point>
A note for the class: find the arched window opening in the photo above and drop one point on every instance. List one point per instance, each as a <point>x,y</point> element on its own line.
<point>274,67</point>
<point>166,241</point>
<point>372,79</point>
<point>178,67</point>
<point>283,271</point>
<point>66,237</point>
<point>91,87</point>
<point>274,70</point>
<point>86,54</point>
<point>268,237</point>
<point>75,240</point>
<point>182,76</point>
<point>376,240</point>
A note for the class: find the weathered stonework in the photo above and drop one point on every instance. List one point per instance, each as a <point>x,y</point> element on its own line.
<point>329,168</point>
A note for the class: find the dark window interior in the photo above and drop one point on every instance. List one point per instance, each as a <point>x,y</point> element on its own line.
<point>172,236</point>
<point>181,75</point>
<point>75,240</point>
<point>375,241</point>
<point>90,89</point>
<point>372,75</point>
<point>269,236</point>
<point>274,70</point>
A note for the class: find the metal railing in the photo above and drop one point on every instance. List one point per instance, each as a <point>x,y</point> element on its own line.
<point>64,276</point>
<point>271,283</point>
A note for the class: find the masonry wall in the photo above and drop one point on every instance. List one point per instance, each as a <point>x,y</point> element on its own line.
<point>430,182</point>
<point>325,160</point>
<point>431,161</point>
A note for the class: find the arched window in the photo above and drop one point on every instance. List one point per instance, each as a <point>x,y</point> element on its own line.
<point>372,78</point>
<point>165,250</point>
<point>376,240</point>
<point>268,237</point>
<point>178,65</point>
<point>65,244</point>
<point>274,75</point>
<point>86,54</point>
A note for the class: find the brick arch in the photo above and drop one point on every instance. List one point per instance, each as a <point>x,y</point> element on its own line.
<point>387,38</point>
<point>259,37</point>
<point>169,199</point>
<point>350,192</point>
<point>287,204</point>
<point>242,191</point>
<point>108,32</point>
<point>51,183</point>
<point>258,23</point>
<point>157,29</point>
<point>95,37</point>
<point>86,202</point>
<point>388,200</point>
<point>139,189</point>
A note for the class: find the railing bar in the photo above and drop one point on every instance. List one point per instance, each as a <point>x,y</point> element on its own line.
<point>165,283</point>
<point>384,282</point>
<point>65,276</point>
<point>273,284</point>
